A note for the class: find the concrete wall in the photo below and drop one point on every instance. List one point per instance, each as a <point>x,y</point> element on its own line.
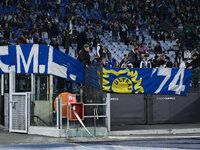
<point>42,109</point>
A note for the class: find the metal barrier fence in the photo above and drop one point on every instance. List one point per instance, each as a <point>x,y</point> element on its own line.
<point>99,110</point>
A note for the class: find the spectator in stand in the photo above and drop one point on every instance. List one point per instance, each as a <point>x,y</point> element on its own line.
<point>123,32</point>
<point>21,39</point>
<point>81,40</point>
<point>135,58</point>
<point>195,51</point>
<point>106,53</point>
<point>67,40</point>
<point>96,60</point>
<point>89,35</point>
<point>168,63</point>
<point>142,48</point>
<point>141,37</point>
<point>156,62</point>
<point>184,63</point>
<point>126,63</point>
<point>104,62</point>
<point>122,61</point>
<point>131,57</point>
<point>76,55</point>
<point>149,48</point>
<point>163,54</point>
<point>9,35</point>
<point>179,59</point>
<point>117,64</point>
<point>29,40</point>
<point>162,61</point>
<point>175,64</point>
<point>1,33</point>
<point>145,63</point>
<point>99,51</point>
<point>176,46</point>
<point>135,46</point>
<point>115,31</point>
<point>194,64</point>
<point>158,48</point>
<point>187,54</point>
<point>166,36</point>
<point>84,55</point>
<point>59,40</point>
<point>5,43</point>
<point>96,39</point>
<point>37,39</point>
<point>54,43</point>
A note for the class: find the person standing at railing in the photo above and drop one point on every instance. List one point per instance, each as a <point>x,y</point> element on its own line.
<point>126,63</point>
<point>168,63</point>
<point>184,63</point>
<point>84,55</point>
<point>145,63</point>
<point>194,65</point>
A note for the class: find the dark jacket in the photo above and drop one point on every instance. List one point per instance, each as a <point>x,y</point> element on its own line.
<point>168,64</point>
<point>158,49</point>
<point>194,64</point>
<point>84,57</point>
<point>156,63</point>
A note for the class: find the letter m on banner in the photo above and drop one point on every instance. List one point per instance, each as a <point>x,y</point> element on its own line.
<point>26,64</point>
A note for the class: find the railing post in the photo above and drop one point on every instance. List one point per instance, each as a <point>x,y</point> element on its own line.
<point>59,113</point>
<point>2,101</point>
<point>108,124</point>
<point>68,120</point>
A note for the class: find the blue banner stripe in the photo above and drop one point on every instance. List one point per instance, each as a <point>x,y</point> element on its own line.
<point>41,59</point>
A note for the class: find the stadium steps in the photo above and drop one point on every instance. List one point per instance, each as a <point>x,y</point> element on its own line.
<point>166,25</point>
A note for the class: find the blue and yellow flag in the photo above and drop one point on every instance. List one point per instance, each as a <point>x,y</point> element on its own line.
<point>146,81</point>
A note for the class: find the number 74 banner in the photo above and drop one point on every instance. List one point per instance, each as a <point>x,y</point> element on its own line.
<point>147,81</point>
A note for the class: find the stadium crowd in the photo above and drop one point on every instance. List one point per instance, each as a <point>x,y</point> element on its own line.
<point>64,23</point>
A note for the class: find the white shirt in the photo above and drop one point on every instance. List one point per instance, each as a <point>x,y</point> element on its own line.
<point>98,48</point>
<point>145,64</point>
<point>187,54</point>
<point>182,65</point>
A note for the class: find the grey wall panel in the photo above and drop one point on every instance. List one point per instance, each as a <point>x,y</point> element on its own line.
<point>176,109</point>
<point>127,109</point>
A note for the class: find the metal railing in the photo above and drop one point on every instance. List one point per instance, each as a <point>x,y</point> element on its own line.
<point>95,115</point>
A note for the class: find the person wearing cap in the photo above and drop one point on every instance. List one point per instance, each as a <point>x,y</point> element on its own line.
<point>145,63</point>
<point>168,63</point>
<point>84,55</point>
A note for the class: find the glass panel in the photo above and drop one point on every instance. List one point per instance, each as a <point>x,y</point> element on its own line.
<point>42,110</point>
<point>23,83</point>
<point>41,90</point>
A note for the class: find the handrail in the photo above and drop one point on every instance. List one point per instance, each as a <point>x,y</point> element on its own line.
<point>35,116</point>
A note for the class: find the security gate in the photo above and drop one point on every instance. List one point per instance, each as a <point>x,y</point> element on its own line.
<point>18,112</point>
